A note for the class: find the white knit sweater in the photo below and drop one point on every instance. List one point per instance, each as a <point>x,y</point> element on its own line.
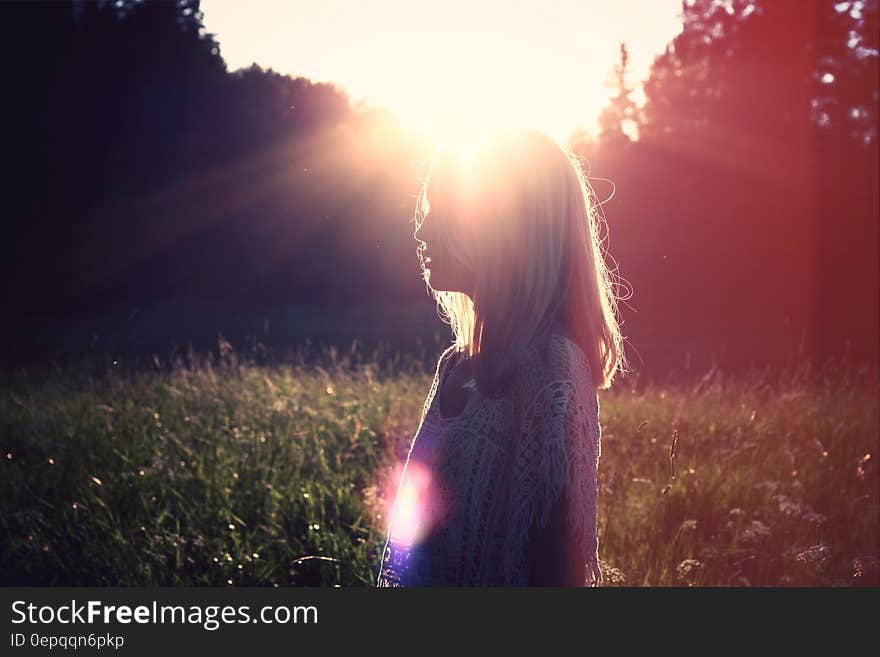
<point>477,486</point>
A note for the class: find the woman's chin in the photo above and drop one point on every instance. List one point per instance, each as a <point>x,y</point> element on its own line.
<point>436,282</point>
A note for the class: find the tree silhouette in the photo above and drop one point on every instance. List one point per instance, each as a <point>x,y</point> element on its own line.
<point>617,121</point>
<point>742,208</point>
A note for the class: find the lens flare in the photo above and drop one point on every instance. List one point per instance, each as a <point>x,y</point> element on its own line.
<point>411,510</point>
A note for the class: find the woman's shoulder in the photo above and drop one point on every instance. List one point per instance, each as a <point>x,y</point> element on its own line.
<point>552,355</point>
<point>567,356</point>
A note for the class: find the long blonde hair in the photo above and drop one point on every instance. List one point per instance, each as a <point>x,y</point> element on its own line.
<point>534,249</point>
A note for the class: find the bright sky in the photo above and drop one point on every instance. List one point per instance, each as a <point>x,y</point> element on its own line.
<point>436,64</point>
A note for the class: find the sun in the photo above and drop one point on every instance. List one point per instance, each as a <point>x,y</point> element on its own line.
<point>439,65</point>
<point>467,137</point>
<point>462,134</point>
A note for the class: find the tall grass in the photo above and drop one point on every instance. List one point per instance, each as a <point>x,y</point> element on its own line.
<point>772,481</point>
<point>216,470</point>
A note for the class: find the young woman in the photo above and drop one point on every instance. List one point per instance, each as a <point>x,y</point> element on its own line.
<point>500,484</point>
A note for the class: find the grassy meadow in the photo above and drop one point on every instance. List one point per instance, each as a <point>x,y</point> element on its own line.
<point>219,470</point>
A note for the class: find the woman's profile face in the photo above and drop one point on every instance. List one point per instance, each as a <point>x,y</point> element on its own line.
<point>439,226</point>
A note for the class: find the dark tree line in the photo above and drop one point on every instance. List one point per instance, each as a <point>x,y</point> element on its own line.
<point>144,170</point>
<point>139,169</point>
<point>747,212</point>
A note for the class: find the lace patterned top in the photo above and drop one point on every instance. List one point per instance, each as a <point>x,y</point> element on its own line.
<point>504,493</point>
